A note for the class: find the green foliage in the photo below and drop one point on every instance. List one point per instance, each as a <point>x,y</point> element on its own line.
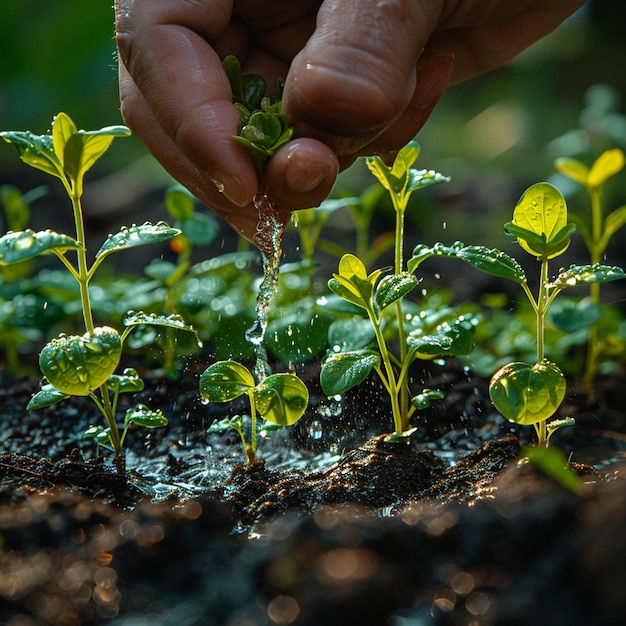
<point>279,398</point>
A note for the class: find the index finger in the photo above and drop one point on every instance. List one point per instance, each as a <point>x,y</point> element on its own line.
<point>166,48</point>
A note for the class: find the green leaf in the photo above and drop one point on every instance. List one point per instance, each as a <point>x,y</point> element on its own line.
<point>141,415</point>
<point>224,381</point>
<point>570,315</point>
<point>391,288</point>
<point>62,129</point>
<point>344,370</point>
<point>606,165</point>
<point>490,261</point>
<point>79,365</point>
<point>542,211</point>
<point>26,244</point>
<point>614,221</point>
<point>134,318</point>
<point>423,400</point>
<point>226,424</point>
<point>354,333</point>
<point>129,381</point>
<point>133,236</point>
<point>455,338</point>
<point>585,274</point>
<point>553,463</point>
<point>420,179</point>
<point>46,396</point>
<point>36,151</point>
<point>232,68</point>
<point>527,394</point>
<point>573,169</point>
<point>179,202</point>
<point>201,229</point>
<point>281,399</point>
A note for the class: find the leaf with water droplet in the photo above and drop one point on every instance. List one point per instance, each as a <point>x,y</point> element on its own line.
<point>448,338</point>
<point>46,396</point>
<point>141,415</point>
<point>36,151</point>
<point>528,394</point>
<point>133,236</point>
<point>585,274</point>
<point>26,244</point>
<point>423,400</point>
<point>393,287</point>
<point>224,381</point>
<point>344,370</point>
<point>78,365</point>
<point>129,381</point>
<point>281,399</point>
<point>136,318</point>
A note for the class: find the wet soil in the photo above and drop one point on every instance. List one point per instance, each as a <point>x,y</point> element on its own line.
<point>334,525</point>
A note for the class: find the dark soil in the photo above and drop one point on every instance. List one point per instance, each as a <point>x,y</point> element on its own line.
<point>334,526</point>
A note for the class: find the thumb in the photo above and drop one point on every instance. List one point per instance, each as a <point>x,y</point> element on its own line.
<point>357,72</point>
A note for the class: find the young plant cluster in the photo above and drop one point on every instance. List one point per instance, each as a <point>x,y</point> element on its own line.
<point>85,365</point>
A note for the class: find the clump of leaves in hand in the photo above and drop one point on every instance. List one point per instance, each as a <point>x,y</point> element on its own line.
<point>280,399</point>
<point>530,393</point>
<point>262,127</point>
<point>84,365</point>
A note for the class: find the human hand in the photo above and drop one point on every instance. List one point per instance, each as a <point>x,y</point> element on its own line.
<point>362,77</point>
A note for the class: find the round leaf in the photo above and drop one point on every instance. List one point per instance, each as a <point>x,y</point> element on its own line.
<point>78,365</point>
<point>527,394</point>
<point>224,381</point>
<point>281,399</point>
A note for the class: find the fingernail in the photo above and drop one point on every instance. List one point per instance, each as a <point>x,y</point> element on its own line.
<point>305,172</point>
<point>231,187</point>
<point>433,75</point>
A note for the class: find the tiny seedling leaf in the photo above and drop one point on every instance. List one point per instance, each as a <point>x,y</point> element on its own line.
<point>129,381</point>
<point>224,381</point>
<point>79,365</point>
<point>527,394</point>
<point>553,463</point>
<point>133,236</point>
<point>423,400</point>
<point>141,415</point>
<point>26,244</point>
<point>281,399</point>
<point>46,396</point>
<point>344,370</point>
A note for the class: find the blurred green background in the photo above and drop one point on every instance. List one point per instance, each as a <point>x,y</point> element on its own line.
<point>494,135</point>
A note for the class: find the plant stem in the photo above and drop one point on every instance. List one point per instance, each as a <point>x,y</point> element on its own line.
<point>83,271</point>
<point>251,449</point>
<point>542,308</point>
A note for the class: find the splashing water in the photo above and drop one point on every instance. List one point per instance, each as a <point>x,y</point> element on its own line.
<point>268,239</point>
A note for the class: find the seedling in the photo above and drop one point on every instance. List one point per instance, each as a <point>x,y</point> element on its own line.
<point>529,393</point>
<point>72,364</point>
<point>280,399</point>
<point>596,230</point>
<point>381,297</point>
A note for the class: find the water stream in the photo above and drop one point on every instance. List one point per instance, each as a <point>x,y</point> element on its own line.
<point>268,239</point>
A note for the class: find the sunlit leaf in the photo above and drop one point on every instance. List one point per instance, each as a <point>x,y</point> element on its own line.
<point>553,462</point>
<point>281,399</point>
<point>179,203</point>
<point>224,381</point>
<point>606,165</point>
<point>573,169</point>
<point>528,394</point>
